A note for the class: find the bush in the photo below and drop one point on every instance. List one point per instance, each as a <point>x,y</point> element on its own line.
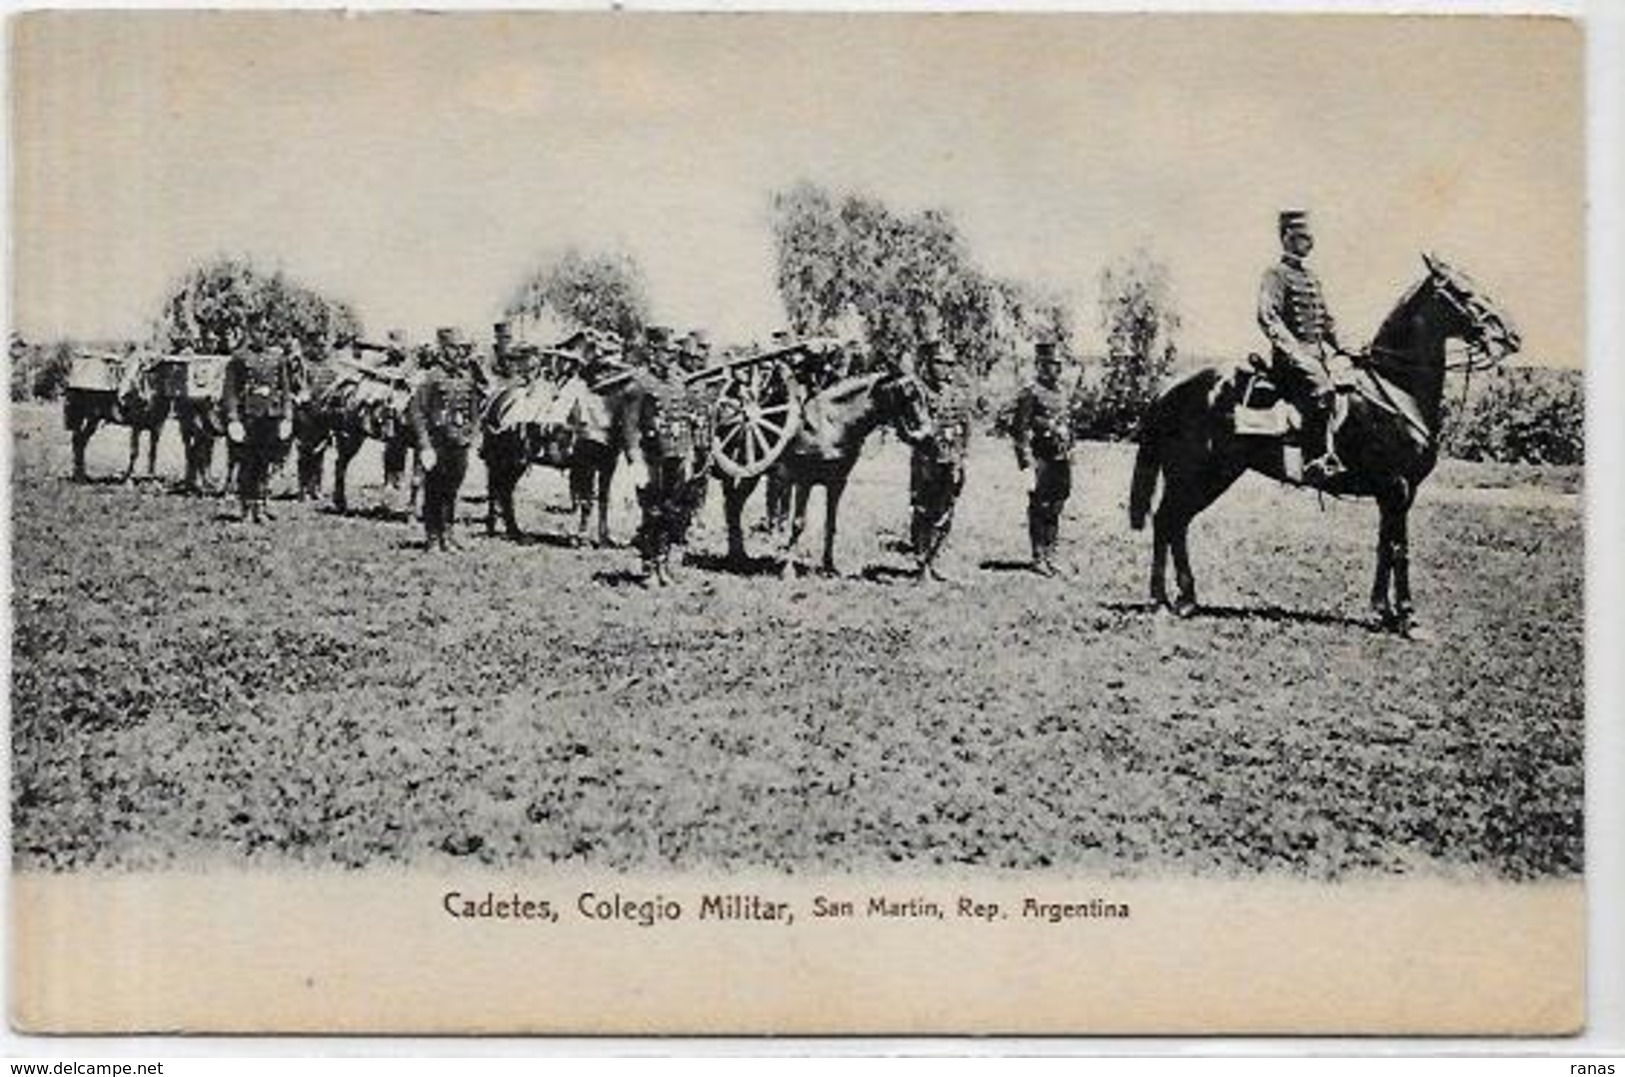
<point>1109,407</point>
<point>40,371</point>
<point>1519,416</point>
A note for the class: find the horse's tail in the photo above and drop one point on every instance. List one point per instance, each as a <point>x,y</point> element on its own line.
<point>1147,465</point>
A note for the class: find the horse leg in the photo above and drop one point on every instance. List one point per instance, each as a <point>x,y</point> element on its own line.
<point>1188,488</point>
<point>507,485</point>
<point>1185,605</point>
<point>1399,554</point>
<point>1159,563</point>
<point>801,493</point>
<point>347,446</point>
<point>135,453</point>
<point>81,440</point>
<point>735,492</point>
<point>1381,605</point>
<point>606,476</point>
<point>152,449</point>
<point>416,488</point>
<point>832,507</point>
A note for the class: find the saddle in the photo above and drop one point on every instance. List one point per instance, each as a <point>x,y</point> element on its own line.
<point>1263,410</point>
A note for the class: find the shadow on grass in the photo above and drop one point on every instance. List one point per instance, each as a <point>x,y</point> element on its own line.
<point>889,574</point>
<point>534,538</point>
<point>1269,614</point>
<point>370,512</point>
<point>1006,566</point>
<point>621,577</point>
<point>725,565</point>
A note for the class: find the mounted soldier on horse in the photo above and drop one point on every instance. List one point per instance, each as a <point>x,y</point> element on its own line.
<point>1209,427</point>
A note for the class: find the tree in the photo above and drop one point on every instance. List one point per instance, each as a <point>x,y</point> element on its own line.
<point>1139,316</point>
<point>849,257</point>
<point>585,291</point>
<point>205,309</point>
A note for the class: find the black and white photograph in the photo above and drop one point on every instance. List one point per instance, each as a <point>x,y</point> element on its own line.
<point>797,522</point>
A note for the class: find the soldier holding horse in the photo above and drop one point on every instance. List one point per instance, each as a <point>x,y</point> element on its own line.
<point>258,404</point>
<point>1204,431</point>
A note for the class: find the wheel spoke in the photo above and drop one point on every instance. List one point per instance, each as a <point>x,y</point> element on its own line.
<point>773,432</point>
<point>731,434</point>
<point>774,409</point>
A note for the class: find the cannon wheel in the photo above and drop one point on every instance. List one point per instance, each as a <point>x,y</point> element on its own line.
<point>757,412</point>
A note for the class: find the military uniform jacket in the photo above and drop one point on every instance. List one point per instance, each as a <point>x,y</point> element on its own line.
<point>258,385</point>
<point>952,406</point>
<point>1043,423</point>
<point>446,408</point>
<point>664,417</point>
<point>1292,310</point>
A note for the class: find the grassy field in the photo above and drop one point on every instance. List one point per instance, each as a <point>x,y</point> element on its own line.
<point>190,690</point>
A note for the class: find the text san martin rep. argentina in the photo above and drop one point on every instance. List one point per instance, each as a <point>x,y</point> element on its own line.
<point>746,907</point>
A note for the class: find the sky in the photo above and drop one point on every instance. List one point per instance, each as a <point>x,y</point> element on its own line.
<point>419,166</point>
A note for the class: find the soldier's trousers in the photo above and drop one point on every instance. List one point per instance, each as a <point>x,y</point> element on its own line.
<point>1309,386</point>
<point>260,448</point>
<point>441,485</point>
<point>933,490</point>
<point>1051,488</point>
<point>665,506</point>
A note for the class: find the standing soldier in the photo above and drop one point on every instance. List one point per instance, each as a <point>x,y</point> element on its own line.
<point>445,415</point>
<point>937,468</point>
<point>1292,312</point>
<point>501,348</point>
<point>1043,440</point>
<point>701,400</point>
<point>660,423</point>
<point>592,441</point>
<point>257,400</point>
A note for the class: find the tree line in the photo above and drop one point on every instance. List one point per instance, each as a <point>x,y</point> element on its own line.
<point>846,264</point>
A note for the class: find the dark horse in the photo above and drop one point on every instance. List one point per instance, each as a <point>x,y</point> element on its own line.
<point>345,411</point>
<point>514,438</point>
<point>825,448</point>
<point>136,403</point>
<point>1389,442</point>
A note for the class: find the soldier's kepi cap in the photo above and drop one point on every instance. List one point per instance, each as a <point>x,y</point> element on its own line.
<point>502,331</point>
<point>1045,350</point>
<point>1294,220</point>
<point>658,336</point>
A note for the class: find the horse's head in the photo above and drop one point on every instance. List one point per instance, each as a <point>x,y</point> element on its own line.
<point>904,400</point>
<point>1487,330</point>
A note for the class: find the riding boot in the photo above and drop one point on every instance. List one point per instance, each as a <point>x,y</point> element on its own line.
<point>1041,543</point>
<point>1052,530</point>
<point>1322,431</point>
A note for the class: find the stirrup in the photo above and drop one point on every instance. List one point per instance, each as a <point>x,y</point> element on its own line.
<point>1324,467</point>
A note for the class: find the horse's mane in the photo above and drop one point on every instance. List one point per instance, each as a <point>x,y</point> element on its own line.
<point>851,386</point>
<point>1387,353</point>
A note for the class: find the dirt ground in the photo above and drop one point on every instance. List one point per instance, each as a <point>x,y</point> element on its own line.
<point>189,690</point>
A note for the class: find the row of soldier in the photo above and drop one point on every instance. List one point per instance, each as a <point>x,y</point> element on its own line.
<point>670,426</point>
<point>667,431</point>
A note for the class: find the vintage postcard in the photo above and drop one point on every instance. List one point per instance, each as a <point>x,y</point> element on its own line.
<point>797,523</point>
